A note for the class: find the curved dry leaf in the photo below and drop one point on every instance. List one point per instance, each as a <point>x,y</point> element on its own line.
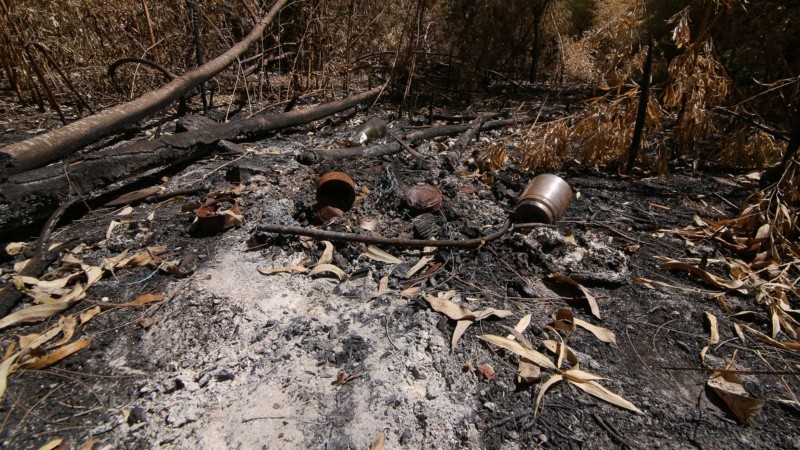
<point>410,292</point>
<point>88,314</point>
<point>377,254</point>
<point>15,248</point>
<point>328,268</point>
<point>419,265</point>
<point>440,303</point>
<point>383,287</point>
<point>142,300</point>
<point>368,224</point>
<point>379,442</point>
<point>327,255</point>
<point>604,334</point>
<point>581,376</point>
<point>706,276</point>
<point>729,388</point>
<point>5,369</point>
<point>93,275</point>
<point>296,268</point>
<point>545,386</point>
<point>67,324</point>
<point>596,390</point>
<point>564,320</point>
<point>763,337</point>
<point>712,326</point>
<point>576,291</point>
<point>520,350</point>
<point>33,313</point>
<point>56,356</point>
<point>461,327</point>
<point>522,325</point>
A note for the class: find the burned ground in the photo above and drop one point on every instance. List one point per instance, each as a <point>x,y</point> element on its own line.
<point>235,358</point>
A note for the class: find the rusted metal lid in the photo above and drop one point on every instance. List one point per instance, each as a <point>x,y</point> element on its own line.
<point>336,189</point>
<point>424,198</point>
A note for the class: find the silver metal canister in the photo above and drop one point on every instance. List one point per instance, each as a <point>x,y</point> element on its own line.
<point>544,200</point>
<point>372,129</point>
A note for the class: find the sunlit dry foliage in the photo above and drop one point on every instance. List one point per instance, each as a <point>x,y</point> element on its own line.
<point>544,148</point>
<point>604,132</point>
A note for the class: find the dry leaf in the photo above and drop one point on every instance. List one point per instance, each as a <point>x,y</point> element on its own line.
<point>519,349</point>
<point>142,300</point>
<point>564,320</point>
<point>327,255</point>
<point>379,442</point>
<point>52,444</point>
<point>419,265</point>
<point>604,334</point>
<point>377,254</point>
<point>369,225</point>
<point>545,386</point>
<point>298,268</point>
<point>328,268</point>
<point>576,291</point>
<point>33,313</point>
<point>464,316</point>
<point>56,356</point>
<point>410,292</point>
<point>67,324</point>
<point>88,314</point>
<point>729,388</point>
<point>15,248</point>
<point>383,286</point>
<point>147,322</point>
<point>111,226</point>
<point>596,390</point>
<point>713,330</point>
<point>125,211</point>
<point>5,369</point>
<point>708,277</point>
<point>89,444</point>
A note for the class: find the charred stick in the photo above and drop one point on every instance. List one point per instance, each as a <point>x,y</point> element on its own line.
<point>54,65</point>
<point>417,136</point>
<point>405,145</point>
<point>641,114</point>
<point>474,127</point>
<point>40,75</point>
<point>325,235</point>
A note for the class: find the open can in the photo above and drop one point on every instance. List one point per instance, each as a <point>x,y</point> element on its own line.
<point>336,189</point>
<point>544,200</point>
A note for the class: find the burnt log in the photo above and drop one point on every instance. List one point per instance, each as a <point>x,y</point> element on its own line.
<point>28,197</point>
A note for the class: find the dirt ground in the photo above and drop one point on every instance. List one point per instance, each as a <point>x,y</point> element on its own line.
<point>233,358</point>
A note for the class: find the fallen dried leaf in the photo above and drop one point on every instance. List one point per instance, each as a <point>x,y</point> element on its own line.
<point>34,313</point>
<point>55,356</point>
<point>410,292</point>
<point>377,254</point>
<point>464,316</point>
<point>52,445</point>
<point>15,248</point>
<point>67,324</point>
<point>545,386</point>
<point>298,268</point>
<point>729,388</point>
<point>604,334</point>
<point>596,390</point>
<point>88,314</point>
<point>142,300</point>
<point>419,265</point>
<point>519,349</point>
<point>712,326</point>
<point>147,322</point>
<point>563,319</point>
<point>5,369</point>
<point>328,268</point>
<point>379,442</point>
<point>708,277</point>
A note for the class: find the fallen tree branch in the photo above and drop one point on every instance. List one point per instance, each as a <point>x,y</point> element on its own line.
<point>474,126</point>
<point>28,197</point>
<point>411,138</point>
<point>62,142</point>
<point>325,235</point>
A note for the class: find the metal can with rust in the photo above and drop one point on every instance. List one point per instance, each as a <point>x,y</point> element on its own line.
<point>544,200</point>
<point>336,189</point>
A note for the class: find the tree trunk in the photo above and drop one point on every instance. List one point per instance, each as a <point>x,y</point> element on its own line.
<point>28,197</point>
<point>62,142</point>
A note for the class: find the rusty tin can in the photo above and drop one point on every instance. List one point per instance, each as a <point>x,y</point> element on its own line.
<point>423,198</point>
<point>336,189</point>
<point>544,200</point>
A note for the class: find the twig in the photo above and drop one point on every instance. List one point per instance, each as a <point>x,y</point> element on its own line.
<point>404,144</point>
<point>466,137</point>
<point>325,235</point>
<point>734,371</point>
<point>774,133</point>
<point>611,431</point>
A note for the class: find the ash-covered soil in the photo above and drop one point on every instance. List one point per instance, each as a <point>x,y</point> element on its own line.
<point>233,358</point>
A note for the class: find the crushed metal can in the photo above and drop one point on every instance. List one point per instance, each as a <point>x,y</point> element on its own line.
<point>423,198</point>
<point>372,129</point>
<point>544,200</point>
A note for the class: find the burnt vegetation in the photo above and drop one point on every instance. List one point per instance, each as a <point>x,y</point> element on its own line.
<point>627,90</point>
